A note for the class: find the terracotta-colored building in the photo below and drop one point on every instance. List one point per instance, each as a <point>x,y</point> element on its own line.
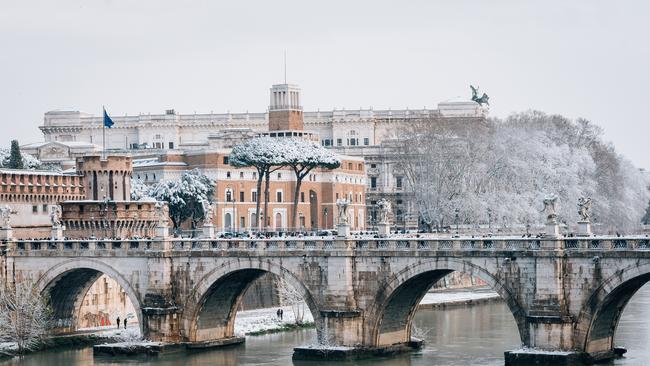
<point>236,194</point>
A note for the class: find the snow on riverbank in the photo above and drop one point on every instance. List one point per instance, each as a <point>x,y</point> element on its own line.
<point>458,296</point>
<point>259,320</point>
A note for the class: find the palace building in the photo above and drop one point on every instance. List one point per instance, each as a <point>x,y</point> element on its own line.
<point>164,145</point>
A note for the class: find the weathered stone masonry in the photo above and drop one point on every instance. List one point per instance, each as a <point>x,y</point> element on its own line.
<point>563,294</point>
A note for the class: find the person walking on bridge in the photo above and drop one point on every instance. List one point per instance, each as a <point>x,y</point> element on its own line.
<point>118,322</point>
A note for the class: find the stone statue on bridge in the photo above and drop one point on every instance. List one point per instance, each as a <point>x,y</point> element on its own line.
<point>5,216</point>
<point>342,204</point>
<point>55,216</point>
<point>550,209</point>
<point>584,205</point>
<point>162,211</point>
<point>208,213</point>
<point>384,210</point>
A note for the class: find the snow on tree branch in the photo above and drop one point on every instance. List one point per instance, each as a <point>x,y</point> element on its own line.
<point>24,315</point>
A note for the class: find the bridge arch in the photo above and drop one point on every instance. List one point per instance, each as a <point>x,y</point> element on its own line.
<point>67,283</point>
<point>390,317</point>
<point>210,310</point>
<point>598,319</point>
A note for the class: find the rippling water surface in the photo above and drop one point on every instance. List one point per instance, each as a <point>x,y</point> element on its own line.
<point>475,335</point>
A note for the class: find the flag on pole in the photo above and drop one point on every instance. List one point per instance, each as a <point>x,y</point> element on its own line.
<point>108,122</point>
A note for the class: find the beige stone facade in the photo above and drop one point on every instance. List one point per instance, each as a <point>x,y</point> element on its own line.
<point>236,196</point>
<point>104,302</point>
<point>32,195</point>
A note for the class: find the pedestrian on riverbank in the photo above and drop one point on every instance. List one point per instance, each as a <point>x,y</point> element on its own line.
<point>281,314</point>
<point>277,313</point>
<point>124,323</point>
<point>118,322</point>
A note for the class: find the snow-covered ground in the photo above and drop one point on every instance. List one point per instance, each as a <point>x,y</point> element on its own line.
<point>251,321</point>
<point>458,296</point>
<point>111,331</point>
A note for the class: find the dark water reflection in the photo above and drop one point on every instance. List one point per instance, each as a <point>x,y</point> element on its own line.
<point>465,336</point>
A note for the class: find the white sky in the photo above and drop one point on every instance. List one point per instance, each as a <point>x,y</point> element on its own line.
<point>578,58</point>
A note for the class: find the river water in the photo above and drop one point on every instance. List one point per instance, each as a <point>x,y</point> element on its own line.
<point>475,335</point>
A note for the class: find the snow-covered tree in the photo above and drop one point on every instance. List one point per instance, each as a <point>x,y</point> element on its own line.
<point>265,155</point>
<point>28,161</point>
<point>185,197</point>
<point>15,159</point>
<point>302,156</point>
<point>24,315</point>
<point>291,297</point>
<point>140,191</point>
<point>646,217</point>
<point>498,171</point>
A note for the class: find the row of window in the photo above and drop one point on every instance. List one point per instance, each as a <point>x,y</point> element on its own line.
<point>349,141</point>
<point>155,145</point>
<point>280,198</point>
<point>399,182</point>
<point>35,209</point>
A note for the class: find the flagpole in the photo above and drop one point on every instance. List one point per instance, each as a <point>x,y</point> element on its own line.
<point>103,134</point>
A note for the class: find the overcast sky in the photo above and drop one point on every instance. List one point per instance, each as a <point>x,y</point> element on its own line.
<point>578,58</point>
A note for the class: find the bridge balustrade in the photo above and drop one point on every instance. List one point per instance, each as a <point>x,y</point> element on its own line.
<point>402,244</point>
<point>535,244</point>
<point>643,244</point>
<point>596,244</point>
<point>272,245</point>
<point>96,247</point>
<point>467,244</point>
<point>571,244</point>
<point>620,244</point>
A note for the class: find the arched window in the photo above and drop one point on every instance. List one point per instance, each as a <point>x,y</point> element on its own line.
<point>278,221</point>
<point>228,195</point>
<point>228,221</point>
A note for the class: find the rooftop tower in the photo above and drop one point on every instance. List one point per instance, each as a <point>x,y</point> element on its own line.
<point>285,109</point>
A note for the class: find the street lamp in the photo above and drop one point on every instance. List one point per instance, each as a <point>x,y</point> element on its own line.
<point>325,213</point>
<point>457,211</point>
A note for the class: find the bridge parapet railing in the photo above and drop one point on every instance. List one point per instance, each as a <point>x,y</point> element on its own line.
<point>92,247</point>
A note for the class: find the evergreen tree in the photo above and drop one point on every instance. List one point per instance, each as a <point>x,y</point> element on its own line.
<point>15,158</point>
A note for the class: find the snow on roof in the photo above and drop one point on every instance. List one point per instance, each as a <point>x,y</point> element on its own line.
<point>140,163</point>
<point>32,172</point>
<point>65,143</point>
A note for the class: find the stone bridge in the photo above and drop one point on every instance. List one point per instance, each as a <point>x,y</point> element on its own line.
<point>564,294</point>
